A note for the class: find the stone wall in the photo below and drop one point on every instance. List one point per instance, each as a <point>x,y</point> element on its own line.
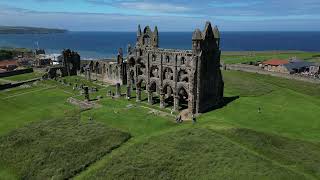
<point>16,72</point>
<point>13,85</point>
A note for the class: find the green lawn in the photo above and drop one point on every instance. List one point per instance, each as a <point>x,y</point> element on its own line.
<point>290,108</point>
<point>233,142</point>
<point>254,56</point>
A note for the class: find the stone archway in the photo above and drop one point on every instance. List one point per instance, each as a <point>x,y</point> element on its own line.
<point>183,98</point>
<point>151,91</point>
<point>167,74</point>
<point>183,76</point>
<point>168,95</point>
<point>140,86</point>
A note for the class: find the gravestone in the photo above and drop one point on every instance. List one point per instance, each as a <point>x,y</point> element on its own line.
<point>86,93</point>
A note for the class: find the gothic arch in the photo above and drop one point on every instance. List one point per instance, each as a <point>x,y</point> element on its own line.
<point>132,62</point>
<point>97,68</point>
<point>183,97</point>
<point>141,67</point>
<point>142,83</point>
<point>167,74</point>
<point>153,86</point>
<point>168,91</point>
<point>154,72</point>
<point>182,60</point>
<point>183,76</point>
<point>153,57</point>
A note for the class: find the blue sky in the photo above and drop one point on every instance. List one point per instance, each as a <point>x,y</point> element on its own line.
<point>169,15</point>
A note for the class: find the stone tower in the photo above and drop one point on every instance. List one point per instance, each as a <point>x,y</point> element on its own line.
<point>208,82</point>
<point>147,38</point>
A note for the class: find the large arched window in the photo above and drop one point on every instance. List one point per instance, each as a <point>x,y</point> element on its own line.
<point>183,60</point>
<point>167,59</point>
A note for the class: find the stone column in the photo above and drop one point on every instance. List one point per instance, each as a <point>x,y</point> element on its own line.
<point>162,105</point>
<point>176,103</point>
<point>150,97</point>
<point>138,94</point>
<point>128,92</point>
<point>118,90</point>
<point>89,75</point>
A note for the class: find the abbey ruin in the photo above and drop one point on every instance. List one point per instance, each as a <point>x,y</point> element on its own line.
<point>184,79</point>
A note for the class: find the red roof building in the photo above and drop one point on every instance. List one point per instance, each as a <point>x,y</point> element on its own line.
<point>8,64</point>
<point>275,62</point>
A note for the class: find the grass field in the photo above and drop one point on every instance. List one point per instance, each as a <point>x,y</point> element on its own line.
<point>254,56</point>
<point>57,149</point>
<point>199,153</point>
<point>234,142</point>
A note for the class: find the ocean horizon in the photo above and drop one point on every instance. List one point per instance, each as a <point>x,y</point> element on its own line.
<point>100,44</point>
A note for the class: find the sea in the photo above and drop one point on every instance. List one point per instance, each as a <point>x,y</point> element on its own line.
<point>99,45</point>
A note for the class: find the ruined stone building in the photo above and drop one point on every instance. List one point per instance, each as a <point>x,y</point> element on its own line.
<point>185,79</point>
<point>70,65</point>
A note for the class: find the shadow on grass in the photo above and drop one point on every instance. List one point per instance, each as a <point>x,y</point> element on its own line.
<point>225,102</point>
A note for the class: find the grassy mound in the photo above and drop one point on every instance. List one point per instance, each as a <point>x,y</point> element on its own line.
<point>193,154</point>
<point>56,149</point>
<point>300,155</point>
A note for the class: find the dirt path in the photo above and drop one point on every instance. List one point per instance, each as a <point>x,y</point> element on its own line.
<point>7,81</point>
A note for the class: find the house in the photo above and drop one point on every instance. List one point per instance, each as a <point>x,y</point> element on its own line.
<point>8,65</point>
<point>297,67</point>
<point>274,65</point>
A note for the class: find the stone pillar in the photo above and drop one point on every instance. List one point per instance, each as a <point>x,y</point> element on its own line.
<point>162,105</point>
<point>89,75</point>
<point>118,90</point>
<point>86,93</point>
<point>176,103</point>
<point>150,97</point>
<point>138,94</point>
<point>128,92</point>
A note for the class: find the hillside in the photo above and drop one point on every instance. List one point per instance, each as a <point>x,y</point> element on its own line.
<point>28,30</point>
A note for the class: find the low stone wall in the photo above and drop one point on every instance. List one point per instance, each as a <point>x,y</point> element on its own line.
<point>12,85</point>
<point>256,69</point>
<point>16,72</point>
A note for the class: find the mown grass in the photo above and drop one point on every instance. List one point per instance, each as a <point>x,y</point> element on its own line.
<point>247,56</point>
<point>22,105</point>
<point>193,153</point>
<point>57,149</point>
<point>290,108</point>
<point>24,77</point>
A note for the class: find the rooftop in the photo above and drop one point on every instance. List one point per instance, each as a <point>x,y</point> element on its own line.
<point>5,63</point>
<point>275,62</point>
<point>297,65</point>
